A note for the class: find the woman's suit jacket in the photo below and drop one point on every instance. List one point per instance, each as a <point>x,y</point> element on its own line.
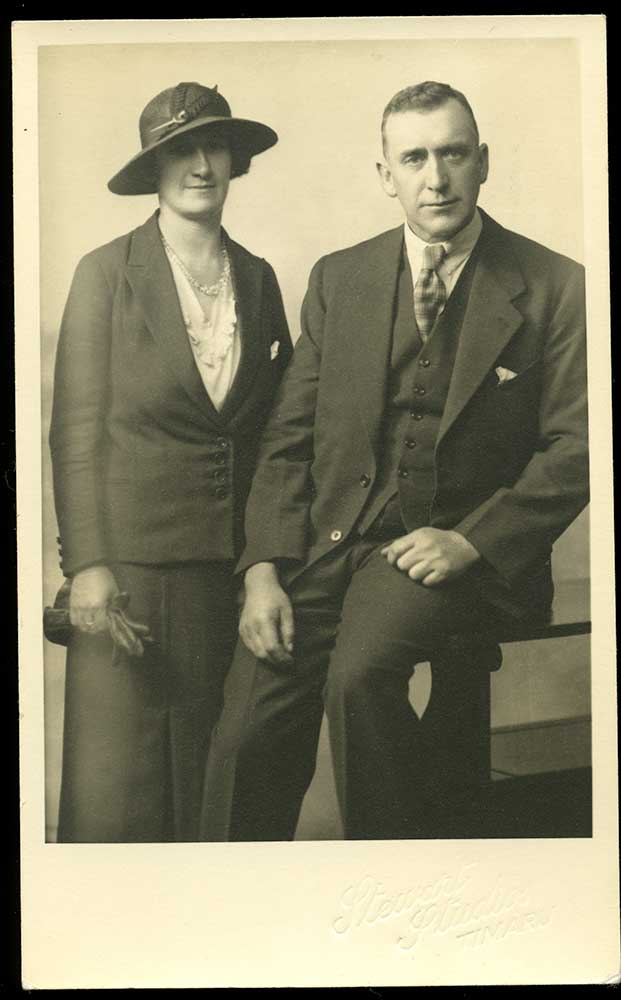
<point>146,470</point>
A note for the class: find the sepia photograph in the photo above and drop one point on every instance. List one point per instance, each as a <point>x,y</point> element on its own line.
<point>322,407</point>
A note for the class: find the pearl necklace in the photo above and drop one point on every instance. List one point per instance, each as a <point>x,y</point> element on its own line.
<point>214,289</point>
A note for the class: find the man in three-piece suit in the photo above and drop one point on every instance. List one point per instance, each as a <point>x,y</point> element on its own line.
<point>427,447</point>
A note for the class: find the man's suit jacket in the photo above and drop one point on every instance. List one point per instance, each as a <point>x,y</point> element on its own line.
<point>146,470</point>
<point>511,460</point>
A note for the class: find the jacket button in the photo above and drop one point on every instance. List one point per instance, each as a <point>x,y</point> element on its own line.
<point>365,480</point>
<point>424,362</point>
<point>419,390</point>
<point>403,473</point>
<point>416,415</point>
<point>336,536</point>
<point>410,443</point>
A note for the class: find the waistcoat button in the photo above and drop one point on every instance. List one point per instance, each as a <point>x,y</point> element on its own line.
<point>365,480</point>
<point>419,390</point>
<point>335,536</point>
<point>222,443</point>
<point>410,443</point>
<point>424,362</point>
<point>221,492</point>
<point>402,473</point>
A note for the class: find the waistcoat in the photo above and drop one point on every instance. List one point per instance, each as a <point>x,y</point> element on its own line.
<point>417,387</point>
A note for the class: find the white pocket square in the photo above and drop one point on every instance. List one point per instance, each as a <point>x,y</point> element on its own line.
<point>504,375</point>
<point>274,349</point>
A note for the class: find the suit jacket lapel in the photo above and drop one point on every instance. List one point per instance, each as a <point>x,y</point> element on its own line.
<point>151,280</point>
<point>247,275</point>
<point>489,322</point>
<point>368,326</point>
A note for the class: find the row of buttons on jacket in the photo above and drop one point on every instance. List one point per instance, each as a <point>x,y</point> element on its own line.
<point>365,479</point>
<point>410,442</point>
<point>220,474</point>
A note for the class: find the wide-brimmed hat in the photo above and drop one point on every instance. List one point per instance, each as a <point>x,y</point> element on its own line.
<point>178,110</point>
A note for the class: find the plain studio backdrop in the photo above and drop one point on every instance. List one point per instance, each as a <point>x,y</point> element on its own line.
<point>314,192</point>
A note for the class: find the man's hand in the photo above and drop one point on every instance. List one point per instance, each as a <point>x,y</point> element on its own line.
<point>266,623</point>
<point>91,592</point>
<point>431,555</point>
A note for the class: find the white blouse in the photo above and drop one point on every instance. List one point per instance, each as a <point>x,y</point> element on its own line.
<point>215,342</point>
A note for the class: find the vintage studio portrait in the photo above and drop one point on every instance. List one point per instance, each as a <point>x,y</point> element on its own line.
<point>315,443</point>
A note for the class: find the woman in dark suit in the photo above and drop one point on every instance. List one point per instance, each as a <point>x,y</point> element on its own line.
<point>172,344</point>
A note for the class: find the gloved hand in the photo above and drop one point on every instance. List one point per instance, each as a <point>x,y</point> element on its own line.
<point>127,635</point>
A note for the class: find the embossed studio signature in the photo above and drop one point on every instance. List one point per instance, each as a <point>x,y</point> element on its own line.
<point>450,905</point>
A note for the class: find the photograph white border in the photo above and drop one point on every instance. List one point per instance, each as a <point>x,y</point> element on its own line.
<point>180,915</point>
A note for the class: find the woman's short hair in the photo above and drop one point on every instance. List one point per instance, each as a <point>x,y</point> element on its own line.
<point>240,160</point>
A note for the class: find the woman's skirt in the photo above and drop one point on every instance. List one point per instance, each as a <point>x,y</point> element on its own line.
<point>137,729</point>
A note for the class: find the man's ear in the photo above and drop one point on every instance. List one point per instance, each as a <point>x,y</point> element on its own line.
<point>484,161</point>
<point>386,180</point>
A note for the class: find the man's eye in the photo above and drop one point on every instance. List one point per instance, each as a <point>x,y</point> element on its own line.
<point>455,154</point>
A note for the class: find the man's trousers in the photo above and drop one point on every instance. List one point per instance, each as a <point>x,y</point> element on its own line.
<point>361,625</point>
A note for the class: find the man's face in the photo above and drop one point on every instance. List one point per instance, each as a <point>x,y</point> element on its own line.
<point>435,167</point>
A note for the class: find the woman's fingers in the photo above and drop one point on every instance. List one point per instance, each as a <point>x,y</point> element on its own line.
<point>91,620</point>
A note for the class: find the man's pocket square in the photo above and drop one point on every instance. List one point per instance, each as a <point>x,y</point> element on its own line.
<point>274,349</point>
<point>504,375</point>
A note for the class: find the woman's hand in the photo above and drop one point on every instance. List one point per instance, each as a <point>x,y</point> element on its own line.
<point>91,592</point>
<point>266,623</point>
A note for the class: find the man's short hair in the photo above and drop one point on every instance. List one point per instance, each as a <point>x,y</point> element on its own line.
<point>424,97</point>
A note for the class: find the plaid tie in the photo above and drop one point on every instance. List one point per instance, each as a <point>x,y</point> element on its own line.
<point>429,291</point>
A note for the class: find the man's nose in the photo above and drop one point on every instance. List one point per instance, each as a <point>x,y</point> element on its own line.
<point>437,175</point>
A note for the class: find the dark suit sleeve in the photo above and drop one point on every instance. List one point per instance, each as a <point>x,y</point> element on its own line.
<point>277,513</point>
<point>77,426</point>
<point>518,524</point>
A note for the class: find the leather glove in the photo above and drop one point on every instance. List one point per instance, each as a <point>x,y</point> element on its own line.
<point>127,635</point>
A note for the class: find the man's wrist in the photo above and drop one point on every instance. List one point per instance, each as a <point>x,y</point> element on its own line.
<point>261,573</point>
<point>467,547</point>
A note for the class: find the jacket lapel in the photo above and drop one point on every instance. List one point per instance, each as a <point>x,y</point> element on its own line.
<point>150,278</point>
<point>247,276</point>
<point>368,326</point>
<point>489,322</point>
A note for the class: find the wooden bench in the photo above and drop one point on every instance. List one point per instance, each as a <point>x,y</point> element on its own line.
<point>469,726</point>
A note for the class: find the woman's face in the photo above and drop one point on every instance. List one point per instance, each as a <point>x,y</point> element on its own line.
<point>194,175</point>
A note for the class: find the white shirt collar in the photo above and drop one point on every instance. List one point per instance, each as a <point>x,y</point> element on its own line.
<point>457,249</point>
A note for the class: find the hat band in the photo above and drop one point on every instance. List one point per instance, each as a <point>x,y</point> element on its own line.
<point>175,120</point>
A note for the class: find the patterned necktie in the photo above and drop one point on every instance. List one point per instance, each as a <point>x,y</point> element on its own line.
<point>429,291</point>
